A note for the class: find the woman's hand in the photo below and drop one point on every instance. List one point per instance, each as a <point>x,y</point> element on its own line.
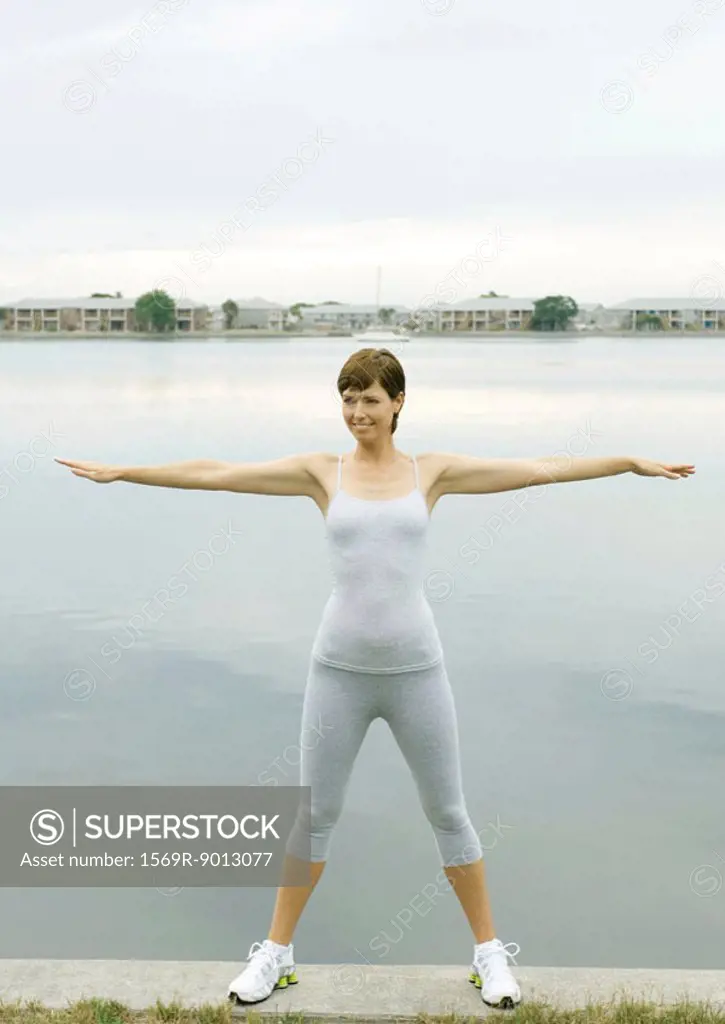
<point>93,470</point>
<point>644,467</point>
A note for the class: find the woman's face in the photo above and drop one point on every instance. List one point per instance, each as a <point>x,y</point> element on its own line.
<point>370,412</point>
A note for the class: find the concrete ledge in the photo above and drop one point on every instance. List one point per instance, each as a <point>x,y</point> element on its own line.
<point>344,991</point>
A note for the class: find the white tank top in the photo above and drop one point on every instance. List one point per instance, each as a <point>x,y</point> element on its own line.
<point>377,618</point>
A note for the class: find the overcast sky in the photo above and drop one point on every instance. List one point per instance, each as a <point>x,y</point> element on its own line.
<point>286,149</point>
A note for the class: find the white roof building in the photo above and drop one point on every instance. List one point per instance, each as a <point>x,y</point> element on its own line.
<point>257,303</point>
<point>350,309</point>
<point>89,303</point>
<point>674,313</point>
<point>256,313</point>
<point>492,305</point>
<point>665,304</point>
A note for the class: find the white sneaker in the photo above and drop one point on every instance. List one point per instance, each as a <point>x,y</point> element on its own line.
<point>490,972</point>
<point>267,970</point>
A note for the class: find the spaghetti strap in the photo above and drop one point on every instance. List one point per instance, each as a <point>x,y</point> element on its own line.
<point>339,471</point>
<point>415,465</point>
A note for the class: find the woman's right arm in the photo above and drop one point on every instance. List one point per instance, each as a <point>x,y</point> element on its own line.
<point>292,475</point>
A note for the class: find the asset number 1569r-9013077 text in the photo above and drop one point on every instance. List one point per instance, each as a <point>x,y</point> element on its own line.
<point>214,859</point>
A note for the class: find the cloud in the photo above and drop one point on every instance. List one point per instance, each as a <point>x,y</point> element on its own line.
<point>314,262</point>
<point>442,125</point>
<point>259,28</point>
<point>69,47</point>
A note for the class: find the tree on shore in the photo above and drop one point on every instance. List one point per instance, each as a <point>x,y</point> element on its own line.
<point>230,310</point>
<point>650,322</point>
<point>493,295</point>
<point>106,295</point>
<point>298,306</point>
<point>553,313</point>
<point>386,313</point>
<point>156,311</point>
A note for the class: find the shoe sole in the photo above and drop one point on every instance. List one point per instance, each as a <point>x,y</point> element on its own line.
<point>288,979</point>
<point>505,1003</point>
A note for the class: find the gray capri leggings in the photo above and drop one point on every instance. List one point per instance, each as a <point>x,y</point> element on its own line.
<point>339,706</point>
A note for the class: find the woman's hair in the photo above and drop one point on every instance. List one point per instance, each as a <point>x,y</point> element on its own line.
<point>370,366</point>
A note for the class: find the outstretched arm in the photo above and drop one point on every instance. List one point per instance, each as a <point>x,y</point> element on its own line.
<point>466,474</point>
<point>293,475</point>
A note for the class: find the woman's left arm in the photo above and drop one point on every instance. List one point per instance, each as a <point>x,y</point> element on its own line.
<point>466,474</point>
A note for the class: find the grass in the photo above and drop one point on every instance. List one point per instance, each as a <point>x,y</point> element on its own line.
<point>103,1011</point>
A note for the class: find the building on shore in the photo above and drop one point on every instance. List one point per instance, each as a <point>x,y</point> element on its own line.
<point>114,316</point>
<point>259,313</point>
<point>468,316</point>
<point>343,316</point>
<point>490,314</point>
<point>668,314</point>
<point>485,314</point>
<point>514,314</point>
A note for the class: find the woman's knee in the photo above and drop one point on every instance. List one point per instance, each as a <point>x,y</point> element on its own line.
<point>322,815</point>
<point>452,818</point>
<point>313,827</point>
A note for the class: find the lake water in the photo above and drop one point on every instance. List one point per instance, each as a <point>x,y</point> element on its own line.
<point>584,645</point>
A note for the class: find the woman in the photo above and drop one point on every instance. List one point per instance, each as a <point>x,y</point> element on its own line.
<point>377,652</point>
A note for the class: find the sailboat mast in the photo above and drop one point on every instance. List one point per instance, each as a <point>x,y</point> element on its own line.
<point>377,292</point>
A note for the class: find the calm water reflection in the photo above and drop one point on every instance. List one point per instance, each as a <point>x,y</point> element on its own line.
<point>591,720</point>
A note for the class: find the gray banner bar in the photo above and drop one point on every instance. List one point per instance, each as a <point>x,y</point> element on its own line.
<point>154,836</point>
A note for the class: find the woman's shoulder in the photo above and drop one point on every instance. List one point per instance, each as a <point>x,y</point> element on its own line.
<point>432,466</point>
<point>321,464</point>
<point>435,462</point>
<point>322,460</point>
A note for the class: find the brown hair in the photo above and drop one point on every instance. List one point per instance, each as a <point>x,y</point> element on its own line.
<point>370,366</point>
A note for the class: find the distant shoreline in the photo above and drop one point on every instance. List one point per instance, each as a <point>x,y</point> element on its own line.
<point>262,335</point>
